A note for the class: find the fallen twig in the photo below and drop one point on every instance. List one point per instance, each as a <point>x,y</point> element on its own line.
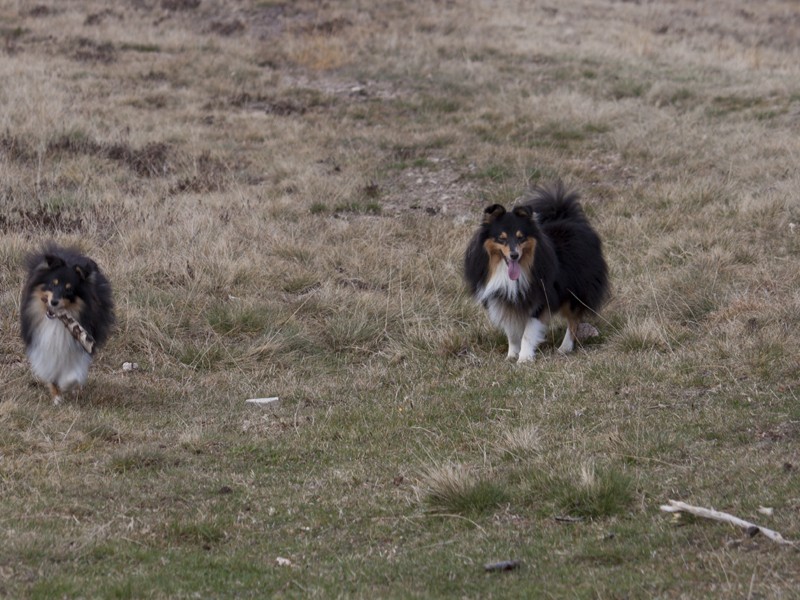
<point>504,565</point>
<point>676,506</point>
<point>568,519</point>
<point>77,331</point>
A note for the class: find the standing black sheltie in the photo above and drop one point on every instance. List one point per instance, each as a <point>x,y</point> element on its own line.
<point>61,280</point>
<point>540,259</point>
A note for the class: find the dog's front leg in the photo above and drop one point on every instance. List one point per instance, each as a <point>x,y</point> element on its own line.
<point>514,334</point>
<point>55,394</point>
<point>531,338</point>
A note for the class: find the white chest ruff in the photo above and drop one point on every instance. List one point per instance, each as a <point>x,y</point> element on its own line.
<point>56,357</point>
<point>508,317</point>
<point>502,288</point>
<point>502,298</point>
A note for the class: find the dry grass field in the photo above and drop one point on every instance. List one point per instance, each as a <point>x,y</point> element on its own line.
<point>281,194</point>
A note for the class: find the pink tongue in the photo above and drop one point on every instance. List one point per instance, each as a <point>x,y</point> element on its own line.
<point>513,270</point>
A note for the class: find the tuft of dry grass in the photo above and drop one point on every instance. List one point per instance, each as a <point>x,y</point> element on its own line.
<point>455,489</point>
<point>522,442</point>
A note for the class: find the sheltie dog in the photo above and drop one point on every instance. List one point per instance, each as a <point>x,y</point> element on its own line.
<point>540,259</point>
<point>63,281</point>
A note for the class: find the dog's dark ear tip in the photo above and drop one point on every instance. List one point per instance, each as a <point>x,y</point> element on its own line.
<point>86,269</point>
<point>495,211</point>
<point>51,260</point>
<point>523,211</point>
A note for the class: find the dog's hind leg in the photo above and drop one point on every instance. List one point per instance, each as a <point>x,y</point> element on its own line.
<point>568,345</point>
<point>55,393</point>
<point>533,336</point>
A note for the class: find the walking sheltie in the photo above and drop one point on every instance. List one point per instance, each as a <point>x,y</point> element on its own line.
<point>540,259</point>
<point>62,282</point>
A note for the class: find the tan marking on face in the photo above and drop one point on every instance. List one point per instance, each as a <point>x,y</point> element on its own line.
<point>497,252</point>
<point>68,286</point>
<point>36,310</point>
<point>496,249</point>
<point>527,250</point>
<point>75,307</point>
<point>501,252</point>
<point>55,281</point>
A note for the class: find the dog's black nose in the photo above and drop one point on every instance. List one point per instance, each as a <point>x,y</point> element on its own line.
<point>514,255</point>
<point>54,302</point>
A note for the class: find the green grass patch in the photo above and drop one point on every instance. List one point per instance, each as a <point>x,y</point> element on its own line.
<point>495,173</point>
<point>628,88</point>
<point>451,489</point>
<point>201,355</point>
<point>562,135</point>
<point>583,491</point>
<point>145,48</point>
<point>233,318</point>
<point>201,533</point>
<point>140,460</point>
<point>594,494</point>
<point>318,208</point>
<point>722,106</point>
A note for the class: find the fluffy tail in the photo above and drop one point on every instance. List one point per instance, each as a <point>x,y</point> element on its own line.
<point>555,202</point>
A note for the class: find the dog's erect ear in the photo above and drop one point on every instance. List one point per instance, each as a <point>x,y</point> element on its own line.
<point>495,211</point>
<point>85,270</point>
<point>51,261</point>
<point>524,212</point>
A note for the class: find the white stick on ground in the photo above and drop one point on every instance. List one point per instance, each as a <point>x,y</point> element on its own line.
<point>77,331</point>
<point>262,401</point>
<point>675,506</point>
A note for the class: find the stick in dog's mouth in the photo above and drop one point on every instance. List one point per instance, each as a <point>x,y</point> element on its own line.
<point>76,330</point>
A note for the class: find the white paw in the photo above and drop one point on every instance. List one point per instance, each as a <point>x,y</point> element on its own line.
<point>523,358</point>
<point>566,348</point>
<point>57,400</point>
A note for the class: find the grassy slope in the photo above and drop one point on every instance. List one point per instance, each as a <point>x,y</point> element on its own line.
<point>281,195</point>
